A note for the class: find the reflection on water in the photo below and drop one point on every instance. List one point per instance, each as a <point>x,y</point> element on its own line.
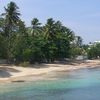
<point>76,85</point>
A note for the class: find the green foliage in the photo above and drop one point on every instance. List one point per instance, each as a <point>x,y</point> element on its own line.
<point>3,50</point>
<point>76,51</point>
<point>24,64</point>
<point>94,51</point>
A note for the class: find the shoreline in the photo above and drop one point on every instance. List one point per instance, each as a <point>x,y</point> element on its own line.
<point>12,73</point>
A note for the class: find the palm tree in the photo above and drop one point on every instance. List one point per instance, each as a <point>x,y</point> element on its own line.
<point>36,28</point>
<point>11,17</point>
<point>50,29</point>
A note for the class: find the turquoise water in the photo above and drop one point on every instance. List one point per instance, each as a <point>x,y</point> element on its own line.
<point>82,84</point>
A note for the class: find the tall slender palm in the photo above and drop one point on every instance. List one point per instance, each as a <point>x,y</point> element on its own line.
<point>11,17</point>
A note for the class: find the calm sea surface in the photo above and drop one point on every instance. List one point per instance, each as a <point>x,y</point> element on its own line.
<point>82,84</point>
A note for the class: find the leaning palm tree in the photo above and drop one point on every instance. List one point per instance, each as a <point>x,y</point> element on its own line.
<point>11,17</point>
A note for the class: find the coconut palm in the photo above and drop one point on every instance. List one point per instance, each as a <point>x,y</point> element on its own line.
<point>36,28</point>
<point>50,29</point>
<point>11,17</point>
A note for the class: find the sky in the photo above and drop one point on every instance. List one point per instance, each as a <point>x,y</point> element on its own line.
<point>82,16</point>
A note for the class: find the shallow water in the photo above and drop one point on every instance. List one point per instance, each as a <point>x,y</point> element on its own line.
<point>82,84</point>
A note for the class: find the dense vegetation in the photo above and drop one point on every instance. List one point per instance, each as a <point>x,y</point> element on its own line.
<point>37,43</point>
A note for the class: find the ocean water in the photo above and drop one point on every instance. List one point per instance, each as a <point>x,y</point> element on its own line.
<point>82,84</point>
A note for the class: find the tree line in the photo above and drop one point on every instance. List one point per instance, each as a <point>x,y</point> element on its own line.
<point>37,43</point>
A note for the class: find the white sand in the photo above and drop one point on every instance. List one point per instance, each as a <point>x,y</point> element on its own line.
<point>16,73</point>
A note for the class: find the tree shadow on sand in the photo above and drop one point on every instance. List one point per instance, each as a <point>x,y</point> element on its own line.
<point>5,72</point>
<point>9,69</point>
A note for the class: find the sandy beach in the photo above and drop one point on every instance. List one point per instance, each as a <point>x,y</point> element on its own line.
<point>12,73</point>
